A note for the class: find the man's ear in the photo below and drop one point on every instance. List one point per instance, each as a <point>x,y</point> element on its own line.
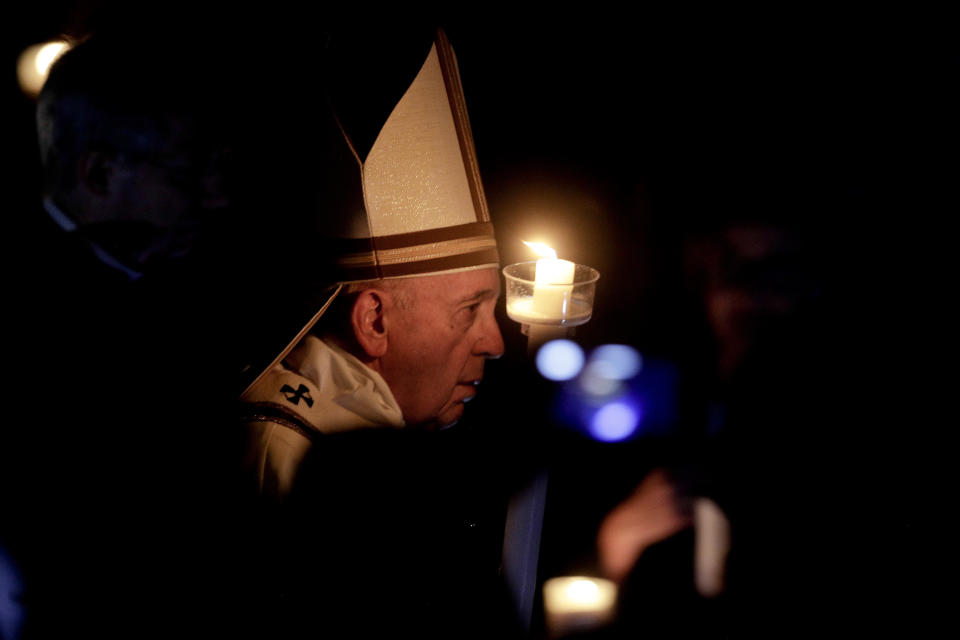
<point>97,171</point>
<point>366,318</point>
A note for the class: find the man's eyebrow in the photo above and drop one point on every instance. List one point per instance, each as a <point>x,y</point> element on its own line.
<point>479,294</point>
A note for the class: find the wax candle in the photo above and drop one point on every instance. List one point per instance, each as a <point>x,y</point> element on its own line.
<point>553,282</point>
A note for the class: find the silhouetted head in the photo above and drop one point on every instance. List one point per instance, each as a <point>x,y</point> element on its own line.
<point>129,146</point>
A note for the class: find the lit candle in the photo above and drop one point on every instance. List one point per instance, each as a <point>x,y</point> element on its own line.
<point>553,282</point>
<point>547,292</point>
<point>578,603</point>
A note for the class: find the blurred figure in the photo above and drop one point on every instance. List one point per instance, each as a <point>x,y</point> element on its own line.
<point>760,294</point>
<point>131,167</point>
<point>754,278</point>
<point>109,306</point>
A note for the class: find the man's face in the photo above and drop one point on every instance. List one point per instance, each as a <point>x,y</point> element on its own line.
<point>157,202</point>
<point>438,341</point>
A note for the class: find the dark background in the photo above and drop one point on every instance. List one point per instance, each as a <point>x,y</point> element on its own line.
<point>615,138</point>
<point>592,127</point>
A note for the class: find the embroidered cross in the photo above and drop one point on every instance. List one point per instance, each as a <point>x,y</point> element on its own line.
<point>294,396</point>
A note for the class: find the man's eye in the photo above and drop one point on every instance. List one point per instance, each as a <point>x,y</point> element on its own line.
<point>470,310</point>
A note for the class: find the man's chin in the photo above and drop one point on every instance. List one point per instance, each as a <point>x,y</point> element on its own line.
<point>449,417</point>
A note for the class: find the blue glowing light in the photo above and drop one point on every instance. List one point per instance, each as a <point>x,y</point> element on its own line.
<point>616,361</point>
<point>615,421</point>
<point>560,360</point>
<point>595,381</point>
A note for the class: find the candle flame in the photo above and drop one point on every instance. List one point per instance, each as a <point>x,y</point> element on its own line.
<point>583,591</point>
<point>541,249</point>
<point>47,55</point>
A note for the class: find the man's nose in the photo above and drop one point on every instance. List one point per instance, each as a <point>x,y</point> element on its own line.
<point>490,344</point>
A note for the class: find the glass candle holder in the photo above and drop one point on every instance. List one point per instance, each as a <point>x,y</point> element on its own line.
<point>532,302</point>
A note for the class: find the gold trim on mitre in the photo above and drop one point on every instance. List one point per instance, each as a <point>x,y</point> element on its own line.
<point>430,251</point>
<point>436,250</point>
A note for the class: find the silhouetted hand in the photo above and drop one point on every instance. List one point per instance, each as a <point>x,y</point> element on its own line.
<point>655,511</point>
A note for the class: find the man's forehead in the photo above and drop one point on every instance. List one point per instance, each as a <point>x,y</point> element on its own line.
<point>462,285</point>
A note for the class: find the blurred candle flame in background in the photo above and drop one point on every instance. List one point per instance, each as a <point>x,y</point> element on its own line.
<point>35,62</point>
<point>578,603</point>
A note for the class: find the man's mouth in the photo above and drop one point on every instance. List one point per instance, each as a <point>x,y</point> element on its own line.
<point>472,384</point>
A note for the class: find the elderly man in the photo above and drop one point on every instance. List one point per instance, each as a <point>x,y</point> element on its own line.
<point>342,428</point>
<point>408,330</point>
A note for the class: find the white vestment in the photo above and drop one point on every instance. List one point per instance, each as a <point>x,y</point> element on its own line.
<point>318,389</point>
